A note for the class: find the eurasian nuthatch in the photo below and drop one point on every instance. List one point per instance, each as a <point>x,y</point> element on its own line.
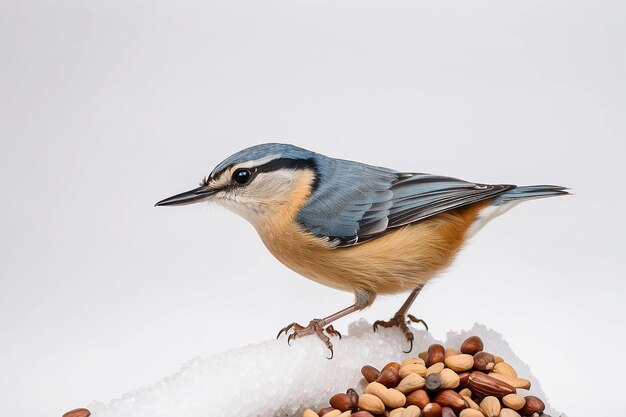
<point>351,226</point>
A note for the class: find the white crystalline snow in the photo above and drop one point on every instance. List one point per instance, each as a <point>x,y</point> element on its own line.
<point>273,379</point>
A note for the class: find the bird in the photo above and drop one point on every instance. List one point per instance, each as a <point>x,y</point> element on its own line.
<point>354,227</point>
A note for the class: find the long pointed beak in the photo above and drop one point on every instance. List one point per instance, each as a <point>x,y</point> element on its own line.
<point>194,196</point>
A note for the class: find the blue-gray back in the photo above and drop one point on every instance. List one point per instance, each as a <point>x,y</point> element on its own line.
<point>356,202</point>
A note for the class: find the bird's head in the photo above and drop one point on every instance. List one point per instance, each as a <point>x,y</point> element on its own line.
<point>257,181</point>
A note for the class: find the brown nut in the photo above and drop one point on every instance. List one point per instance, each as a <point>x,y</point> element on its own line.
<point>432,410</point>
<point>472,345</point>
<point>449,398</point>
<point>325,411</point>
<point>389,376</point>
<point>362,413</point>
<point>460,363</point>
<point>484,361</point>
<point>78,412</point>
<point>436,354</point>
<point>394,365</point>
<point>514,401</point>
<point>418,398</point>
<point>490,406</point>
<point>371,403</point>
<point>370,373</point>
<point>484,385</point>
<point>463,378</point>
<point>354,398</point>
<point>533,405</point>
<point>341,402</point>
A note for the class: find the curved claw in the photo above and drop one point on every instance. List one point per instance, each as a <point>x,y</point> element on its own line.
<point>331,353</point>
<point>291,337</point>
<point>413,319</point>
<point>410,347</point>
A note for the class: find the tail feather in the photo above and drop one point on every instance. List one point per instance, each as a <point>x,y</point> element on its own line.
<point>530,192</point>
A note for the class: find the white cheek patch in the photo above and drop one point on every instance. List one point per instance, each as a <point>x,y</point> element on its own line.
<point>487,214</point>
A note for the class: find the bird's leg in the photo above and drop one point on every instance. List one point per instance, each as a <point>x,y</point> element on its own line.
<point>317,326</point>
<point>401,318</point>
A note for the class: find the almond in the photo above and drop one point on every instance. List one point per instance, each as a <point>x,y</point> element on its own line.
<point>514,382</point>
<point>391,397</point>
<point>449,398</point>
<point>451,352</point>
<point>397,412</point>
<point>497,359</point>
<point>436,354</point>
<point>507,412</point>
<point>309,413</point>
<point>490,406</point>
<point>484,385</point>
<point>435,368</point>
<point>533,405</point>
<point>460,363</point>
<point>472,345</point>
<point>412,361</point>
<point>371,403</point>
<point>484,361</point>
<point>469,403</point>
<point>411,383</point>
<point>412,411</point>
<point>416,368</point>
<point>470,412</point>
<point>465,392</point>
<point>370,373</point>
<point>449,379</point>
<point>505,369</point>
<point>418,398</point>
<point>514,401</point>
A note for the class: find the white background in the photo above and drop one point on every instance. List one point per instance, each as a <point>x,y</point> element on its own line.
<point>108,106</point>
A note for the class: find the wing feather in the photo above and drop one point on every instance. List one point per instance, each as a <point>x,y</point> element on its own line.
<point>360,202</point>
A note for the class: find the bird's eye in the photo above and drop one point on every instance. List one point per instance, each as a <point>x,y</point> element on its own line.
<point>242,176</point>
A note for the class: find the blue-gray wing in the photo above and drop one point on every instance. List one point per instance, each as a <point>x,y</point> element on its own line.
<point>355,202</point>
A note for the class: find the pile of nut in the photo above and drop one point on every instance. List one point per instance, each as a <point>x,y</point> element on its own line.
<point>439,383</point>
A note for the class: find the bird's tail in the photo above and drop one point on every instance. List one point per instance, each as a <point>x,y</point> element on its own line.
<point>530,192</point>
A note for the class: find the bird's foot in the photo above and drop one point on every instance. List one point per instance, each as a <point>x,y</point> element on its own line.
<point>316,326</point>
<point>399,320</point>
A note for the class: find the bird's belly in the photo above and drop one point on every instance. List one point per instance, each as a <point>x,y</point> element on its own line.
<point>395,262</point>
